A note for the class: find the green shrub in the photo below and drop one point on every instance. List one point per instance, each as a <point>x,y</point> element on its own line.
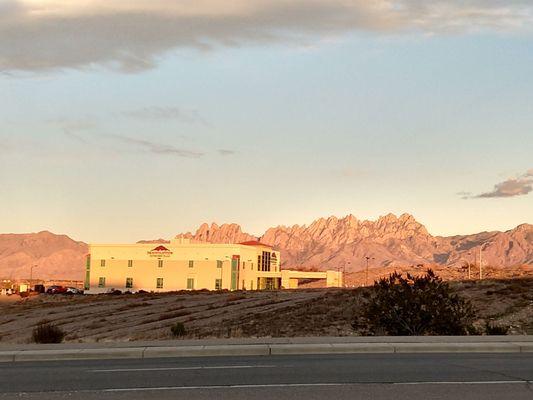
<point>415,305</point>
<point>178,329</point>
<point>45,332</point>
<point>491,329</point>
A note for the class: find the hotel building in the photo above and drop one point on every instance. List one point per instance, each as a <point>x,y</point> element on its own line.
<point>183,265</point>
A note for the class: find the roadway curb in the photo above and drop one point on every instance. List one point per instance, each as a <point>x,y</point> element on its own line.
<point>259,350</point>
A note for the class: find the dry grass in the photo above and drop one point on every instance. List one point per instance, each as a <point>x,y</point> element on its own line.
<point>305,312</point>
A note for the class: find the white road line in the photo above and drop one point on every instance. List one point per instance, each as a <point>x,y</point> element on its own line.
<point>227,387</point>
<point>181,368</point>
<point>463,383</point>
<point>292,385</point>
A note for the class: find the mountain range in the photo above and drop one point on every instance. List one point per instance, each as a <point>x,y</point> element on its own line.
<point>327,243</point>
<point>389,241</point>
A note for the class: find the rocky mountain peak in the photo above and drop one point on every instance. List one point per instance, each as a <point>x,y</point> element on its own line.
<point>214,233</point>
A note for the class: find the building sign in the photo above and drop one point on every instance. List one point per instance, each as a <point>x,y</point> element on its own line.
<point>160,251</point>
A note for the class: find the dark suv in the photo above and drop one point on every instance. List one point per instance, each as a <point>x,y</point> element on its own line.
<point>56,289</point>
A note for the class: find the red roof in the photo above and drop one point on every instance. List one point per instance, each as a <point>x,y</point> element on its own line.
<point>255,243</point>
<point>160,248</point>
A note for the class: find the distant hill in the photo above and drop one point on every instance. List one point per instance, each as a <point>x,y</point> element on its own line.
<point>56,256</point>
<point>327,243</point>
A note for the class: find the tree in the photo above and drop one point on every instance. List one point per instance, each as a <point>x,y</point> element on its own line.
<point>416,305</point>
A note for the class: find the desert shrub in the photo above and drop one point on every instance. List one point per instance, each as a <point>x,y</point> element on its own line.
<point>45,332</point>
<point>178,329</point>
<point>491,329</point>
<point>415,305</point>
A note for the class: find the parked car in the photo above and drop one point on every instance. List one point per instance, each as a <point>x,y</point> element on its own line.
<point>56,289</point>
<point>73,290</point>
<point>39,289</point>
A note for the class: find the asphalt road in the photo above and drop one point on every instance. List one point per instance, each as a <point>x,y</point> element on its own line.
<point>336,377</point>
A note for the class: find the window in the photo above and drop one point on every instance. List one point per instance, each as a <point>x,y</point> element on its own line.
<point>130,263</point>
<point>190,283</point>
<point>243,285</point>
<point>191,264</point>
<point>160,263</point>
<point>159,284</point>
<point>102,263</point>
<point>251,285</point>
<point>101,281</point>
<point>218,284</point>
<point>219,264</point>
<point>259,263</point>
<point>243,265</point>
<point>129,283</point>
<point>265,261</point>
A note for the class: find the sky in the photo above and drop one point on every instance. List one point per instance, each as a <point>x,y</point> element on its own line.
<point>122,121</point>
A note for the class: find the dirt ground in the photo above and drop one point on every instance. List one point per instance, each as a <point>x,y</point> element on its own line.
<point>358,278</point>
<point>304,312</point>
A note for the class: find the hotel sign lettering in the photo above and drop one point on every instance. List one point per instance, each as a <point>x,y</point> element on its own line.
<point>160,251</point>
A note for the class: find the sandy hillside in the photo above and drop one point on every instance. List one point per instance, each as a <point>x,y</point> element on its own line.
<point>306,312</point>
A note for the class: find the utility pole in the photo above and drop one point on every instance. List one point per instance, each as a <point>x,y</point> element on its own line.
<point>366,272</point>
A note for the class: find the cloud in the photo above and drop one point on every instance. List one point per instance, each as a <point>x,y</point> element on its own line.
<point>73,124</point>
<point>166,113</point>
<point>72,127</point>
<point>350,173</point>
<point>464,195</point>
<point>512,187</point>
<point>77,130</point>
<point>226,152</point>
<point>156,148</point>
<point>132,35</point>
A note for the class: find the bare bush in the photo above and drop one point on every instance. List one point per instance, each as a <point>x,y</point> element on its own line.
<point>45,332</point>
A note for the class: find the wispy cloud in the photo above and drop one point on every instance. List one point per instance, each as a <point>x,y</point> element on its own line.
<point>72,127</point>
<point>226,152</point>
<point>79,130</point>
<point>131,35</point>
<point>81,124</point>
<point>519,186</point>
<point>166,113</point>
<point>464,194</point>
<point>156,148</point>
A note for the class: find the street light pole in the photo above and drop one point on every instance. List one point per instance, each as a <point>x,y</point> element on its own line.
<point>480,265</point>
<point>469,268</point>
<point>344,273</point>
<point>31,275</point>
